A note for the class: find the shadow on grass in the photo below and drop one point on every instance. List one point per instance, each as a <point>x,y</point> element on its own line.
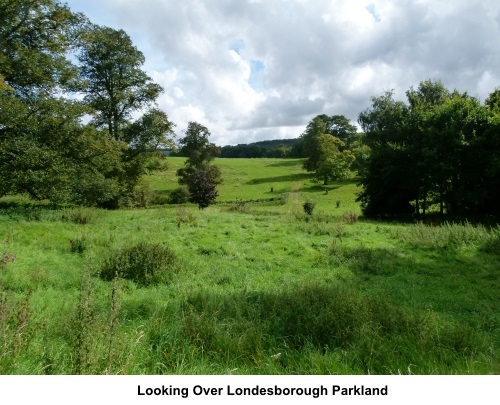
<point>278,179</point>
<point>375,334</point>
<point>315,188</point>
<point>287,163</point>
<point>464,289</point>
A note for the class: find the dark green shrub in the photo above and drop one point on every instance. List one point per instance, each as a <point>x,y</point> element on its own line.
<point>144,263</point>
<point>309,207</point>
<point>179,196</point>
<point>159,198</point>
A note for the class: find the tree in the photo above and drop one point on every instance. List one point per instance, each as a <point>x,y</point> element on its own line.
<point>199,152</point>
<point>45,151</point>
<point>201,189</point>
<point>35,36</point>
<point>338,126</point>
<point>196,146</point>
<point>333,164</point>
<point>388,180</point>
<point>115,87</point>
<point>439,149</point>
<point>310,145</point>
<point>198,174</point>
<point>115,84</point>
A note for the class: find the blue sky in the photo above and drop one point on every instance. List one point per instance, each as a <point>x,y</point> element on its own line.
<point>261,69</point>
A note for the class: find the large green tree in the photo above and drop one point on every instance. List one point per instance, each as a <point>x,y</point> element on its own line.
<point>45,152</point>
<point>115,87</point>
<point>338,126</point>
<point>45,149</point>
<point>388,182</point>
<point>334,163</point>
<point>308,145</point>
<point>35,36</point>
<point>438,149</point>
<point>115,84</point>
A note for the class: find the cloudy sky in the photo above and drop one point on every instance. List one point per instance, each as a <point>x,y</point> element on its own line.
<point>254,70</point>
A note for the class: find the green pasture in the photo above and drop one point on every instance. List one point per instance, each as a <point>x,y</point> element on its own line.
<point>265,179</point>
<point>256,286</point>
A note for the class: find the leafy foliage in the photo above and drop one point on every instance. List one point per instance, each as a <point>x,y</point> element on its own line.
<point>115,85</point>
<point>198,174</point>
<point>201,189</point>
<point>179,196</point>
<point>426,152</point>
<point>46,151</point>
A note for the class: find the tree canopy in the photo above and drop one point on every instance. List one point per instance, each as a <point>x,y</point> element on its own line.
<point>114,84</point>
<point>46,151</point>
<point>438,149</point>
<point>325,152</point>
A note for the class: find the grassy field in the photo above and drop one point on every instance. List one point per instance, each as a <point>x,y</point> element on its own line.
<point>251,285</point>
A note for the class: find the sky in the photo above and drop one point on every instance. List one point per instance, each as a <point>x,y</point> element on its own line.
<point>252,70</point>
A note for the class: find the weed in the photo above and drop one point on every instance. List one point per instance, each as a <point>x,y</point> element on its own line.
<point>79,215</point>
<point>492,244</point>
<point>113,319</point>
<point>82,325</point>
<point>185,217</point>
<point>350,217</point>
<point>79,244</point>
<point>239,206</point>
<point>447,235</point>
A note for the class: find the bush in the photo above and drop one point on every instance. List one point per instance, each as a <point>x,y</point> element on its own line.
<point>159,198</point>
<point>144,263</point>
<point>309,207</point>
<point>179,196</point>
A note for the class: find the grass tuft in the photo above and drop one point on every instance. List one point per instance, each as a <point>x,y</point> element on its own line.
<point>144,263</point>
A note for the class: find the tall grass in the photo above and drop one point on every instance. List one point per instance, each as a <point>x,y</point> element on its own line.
<point>245,287</point>
<point>448,235</point>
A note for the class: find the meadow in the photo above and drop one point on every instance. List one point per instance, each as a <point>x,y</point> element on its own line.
<point>251,285</point>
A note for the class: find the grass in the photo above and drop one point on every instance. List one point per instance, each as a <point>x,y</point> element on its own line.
<point>262,180</point>
<point>264,289</point>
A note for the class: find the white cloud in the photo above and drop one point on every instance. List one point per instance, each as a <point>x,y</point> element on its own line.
<point>312,56</point>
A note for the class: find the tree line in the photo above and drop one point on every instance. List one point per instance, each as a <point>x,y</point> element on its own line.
<point>79,124</point>
<point>279,148</point>
<point>438,150</point>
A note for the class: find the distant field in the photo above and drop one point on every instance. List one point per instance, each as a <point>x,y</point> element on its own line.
<point>253,179</point>
<point>249,287</point>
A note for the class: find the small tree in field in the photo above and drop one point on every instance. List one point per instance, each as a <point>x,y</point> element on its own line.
<point>203,192</point>
<point>198,174</point>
